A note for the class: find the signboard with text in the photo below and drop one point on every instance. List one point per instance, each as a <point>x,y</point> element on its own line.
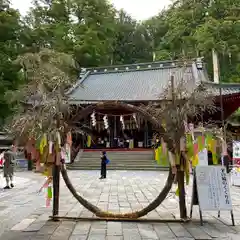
<point>213,188</point>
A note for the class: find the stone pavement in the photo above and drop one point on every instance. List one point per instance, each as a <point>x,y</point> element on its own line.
<point>23,214</point>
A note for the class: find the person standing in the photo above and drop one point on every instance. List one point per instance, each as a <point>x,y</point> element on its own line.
<point>8,168</point>
<point>103,165</point>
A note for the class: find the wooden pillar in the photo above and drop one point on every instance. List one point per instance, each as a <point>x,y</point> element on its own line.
<point>56,188</point>
<point>111,123</point>
<point>146,134</point>
<point>180,168</point>
<point>215,66</point>
<point>181,187</point>
<point>115,127</point>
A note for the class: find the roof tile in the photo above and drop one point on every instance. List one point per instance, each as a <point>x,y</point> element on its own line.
<point>132,85</point>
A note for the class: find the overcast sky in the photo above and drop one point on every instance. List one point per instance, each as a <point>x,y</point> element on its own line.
<point>139,9</point>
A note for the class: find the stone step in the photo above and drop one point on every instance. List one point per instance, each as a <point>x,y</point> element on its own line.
<point>86,160</point>
<point>153,168</point>
<point>115,164</point>
<point>116,159</point>
<point>119,160</point>
<point>119,152</point>
<point>118,156</point>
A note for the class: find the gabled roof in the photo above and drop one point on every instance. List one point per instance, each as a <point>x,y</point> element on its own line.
<point>136,82</point>
<point>226,88</point>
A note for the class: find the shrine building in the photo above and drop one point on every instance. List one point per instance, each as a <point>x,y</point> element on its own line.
<point>139,84</point>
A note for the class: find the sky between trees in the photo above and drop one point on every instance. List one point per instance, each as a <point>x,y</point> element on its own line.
<point>140,10</point>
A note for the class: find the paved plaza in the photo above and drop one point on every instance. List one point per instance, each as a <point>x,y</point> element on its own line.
<point>23,214</point>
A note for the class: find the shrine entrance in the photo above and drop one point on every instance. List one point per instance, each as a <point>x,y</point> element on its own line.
<point>114,129</point>
<point>92,208</point>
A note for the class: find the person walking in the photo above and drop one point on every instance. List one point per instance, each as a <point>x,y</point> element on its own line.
<point>8,168</point>
<point>103,165</point>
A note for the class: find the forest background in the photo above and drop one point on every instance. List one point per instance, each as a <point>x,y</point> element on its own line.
<point>97,34</point>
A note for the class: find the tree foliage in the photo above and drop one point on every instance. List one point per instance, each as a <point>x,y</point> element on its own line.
<point>9,49</point>
<point>96,34</point>
<point>48,75</point>
<point>193,28</point>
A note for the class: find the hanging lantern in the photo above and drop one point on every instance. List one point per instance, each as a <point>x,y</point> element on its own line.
<point>191,127</point>
<point>93,118</point>
<point>105,120</point>
<point>122,121</point>
<point>135,119</point>
<point>186,127</point>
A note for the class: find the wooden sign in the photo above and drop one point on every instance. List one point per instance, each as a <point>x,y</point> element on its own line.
<point>211,190</point>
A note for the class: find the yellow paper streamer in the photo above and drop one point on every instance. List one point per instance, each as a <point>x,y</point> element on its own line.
<point>164,159</point>
<point>177,192</point>
<point>43,144</point>
<point>187,171</point>
<point>190,149</point>
<point>200,143</point>
<point>195,161</point>
<point>156,154</point>
<point>214,158</point>
<point>159,155</point>
<point>212,148</point>
<point>208,141</point>
<point>48,171</point>
<point>89,140</point>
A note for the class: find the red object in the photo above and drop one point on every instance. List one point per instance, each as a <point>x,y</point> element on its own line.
<point>195,148</point>
<point>48,202</point>
<point>236,161</point>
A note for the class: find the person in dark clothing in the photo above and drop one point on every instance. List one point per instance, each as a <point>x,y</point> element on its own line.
<point>8,168</point>
<point>103,165</point>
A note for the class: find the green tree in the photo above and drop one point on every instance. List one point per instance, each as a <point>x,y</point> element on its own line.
<point>221,31</point>
<point>156,28</point>
<point>96,34</point>
<point>83,28</point>
<point>189,29</point>
<point>131,43</point>
<point>9,47</point>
